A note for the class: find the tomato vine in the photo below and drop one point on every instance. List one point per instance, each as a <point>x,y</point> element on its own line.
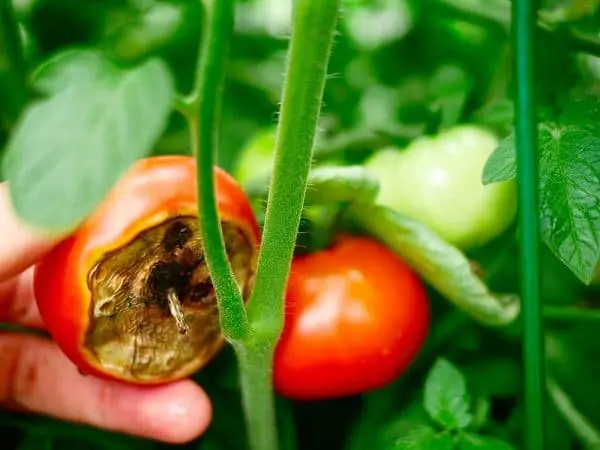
<point>421,157</point>
<point>255,335</point>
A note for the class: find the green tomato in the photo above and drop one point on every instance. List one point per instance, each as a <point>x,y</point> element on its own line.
<point>437,181</point>
<point>255,160</point>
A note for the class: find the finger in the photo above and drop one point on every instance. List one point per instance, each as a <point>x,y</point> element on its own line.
<point>20,244</point>
<point>36,376</point>
<point>17,302</point>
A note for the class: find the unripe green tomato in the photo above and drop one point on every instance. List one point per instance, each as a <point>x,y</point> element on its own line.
<point>437,181</point>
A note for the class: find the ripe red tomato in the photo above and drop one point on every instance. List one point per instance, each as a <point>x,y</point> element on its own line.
<point>356,317</point>
<point>127,296</point>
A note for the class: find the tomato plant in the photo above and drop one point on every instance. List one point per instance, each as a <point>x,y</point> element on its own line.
<point>418,216</point>
<point>128,295</point>
<point>437,180</point>
<point>356,317</point>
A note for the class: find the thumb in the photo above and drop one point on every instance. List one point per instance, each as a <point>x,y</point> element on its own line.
<point>20,244</point>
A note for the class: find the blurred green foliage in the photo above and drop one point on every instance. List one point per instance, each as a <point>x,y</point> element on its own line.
<point>400,69</point>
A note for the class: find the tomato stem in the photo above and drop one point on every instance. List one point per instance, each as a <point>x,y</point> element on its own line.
<point>255,363</point>
<point>571,313</point>
<point>207,98</point>
<point>581,425</point>
<point>314,23</point>
<point>313,28</point>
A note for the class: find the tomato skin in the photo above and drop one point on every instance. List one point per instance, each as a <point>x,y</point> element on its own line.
<point>356,317</point>
<point>153,190</point>
<point>437,181</point>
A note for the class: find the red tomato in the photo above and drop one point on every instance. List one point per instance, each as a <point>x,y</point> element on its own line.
<point>127,296</point>
<point>356,317</point>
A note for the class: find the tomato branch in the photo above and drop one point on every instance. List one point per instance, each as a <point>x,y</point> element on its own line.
<point>581,426</point>
<point>313,28</point>
<point>205,101</point>
<point>310,47</point>
<point>570,313</point>
<point>312,38</point>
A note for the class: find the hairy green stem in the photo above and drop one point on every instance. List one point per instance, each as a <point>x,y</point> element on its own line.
<point>255,336</point>
<point>313,28</point>
<point>255,363</point>
<point>13,89</point>
<point>207,99</point>
<point>312,38</point>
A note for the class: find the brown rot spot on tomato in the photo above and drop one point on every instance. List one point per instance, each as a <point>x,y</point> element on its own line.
<point>154,312</point>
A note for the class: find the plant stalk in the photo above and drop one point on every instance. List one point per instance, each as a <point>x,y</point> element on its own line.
<point>571,313</point>
<point>254,337</point>
<point>524,15</point>
<point>205,101</point>
<point>580,424</point>
<point>314,23</point>
<point>313,28</point>
<point>255,363</point>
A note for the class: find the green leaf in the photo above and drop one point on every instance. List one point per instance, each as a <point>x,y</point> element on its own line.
<point>70,148</point>
<point>442,265</point>
<point>425,438</point>
<point>68,67</point>
<point>330,184</point>
<point>569,192</point>
<point>501,165</point>
<point>446,399</point>
<point>469,441</point>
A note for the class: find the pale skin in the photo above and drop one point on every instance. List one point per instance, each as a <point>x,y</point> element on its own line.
<point>35,376</point>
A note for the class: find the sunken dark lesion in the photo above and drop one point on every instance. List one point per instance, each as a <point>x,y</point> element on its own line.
<point>133,331</point>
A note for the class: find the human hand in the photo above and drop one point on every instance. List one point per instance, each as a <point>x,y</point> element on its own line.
<point>37,377</point>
